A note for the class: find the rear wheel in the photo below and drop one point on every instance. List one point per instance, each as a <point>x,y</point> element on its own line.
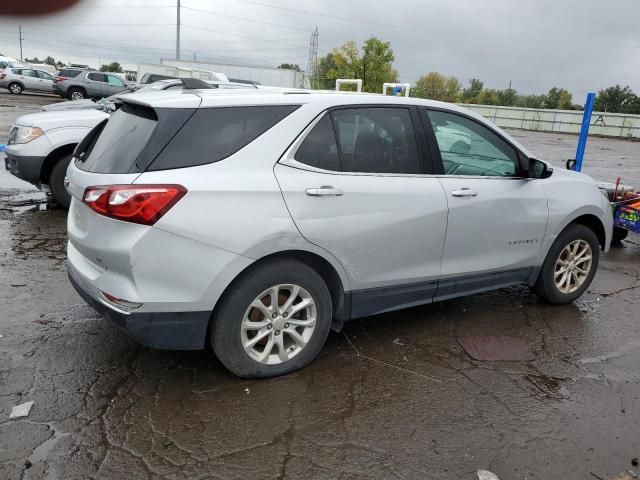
<point>15,88</point>
<point>76,94</point>
<point>273,320</point>
<point>570,265</point>
<point>56,182</point>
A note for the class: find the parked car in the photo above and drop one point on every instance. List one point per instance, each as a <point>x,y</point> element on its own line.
<point>305,210</point>
<point>40,144</point>
<point>19,79</point>
<point>87,84</point>
<point>108,103</point>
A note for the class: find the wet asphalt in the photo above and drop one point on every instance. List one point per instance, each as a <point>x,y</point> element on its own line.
<point>392,396</point>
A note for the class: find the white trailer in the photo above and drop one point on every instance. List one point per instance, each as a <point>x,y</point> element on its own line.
<point>274,77</point>
<point>149,73</point>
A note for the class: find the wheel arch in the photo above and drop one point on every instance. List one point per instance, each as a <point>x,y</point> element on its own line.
<point>340,297</point>
<point>593,223</point>
<point>15,81</point>
<point>52,158</point>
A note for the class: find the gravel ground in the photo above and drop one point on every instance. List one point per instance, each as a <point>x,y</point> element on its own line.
<point>392,396</point>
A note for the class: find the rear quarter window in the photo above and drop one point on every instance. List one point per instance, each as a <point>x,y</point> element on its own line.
<point>213,134</point>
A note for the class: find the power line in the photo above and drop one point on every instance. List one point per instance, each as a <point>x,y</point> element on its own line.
<point>244,36</point>
<point>211,12</point>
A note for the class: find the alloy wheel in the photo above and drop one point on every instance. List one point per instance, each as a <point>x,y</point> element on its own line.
<point>278,324</point>
<point>573,266</point>
<point>77,95</point>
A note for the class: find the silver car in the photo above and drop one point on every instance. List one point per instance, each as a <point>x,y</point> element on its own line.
<point>256,222</point>
<point>20,79</point>
<point>87,84</point>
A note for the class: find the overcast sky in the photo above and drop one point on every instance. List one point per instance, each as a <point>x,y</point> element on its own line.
<point>581,45</point>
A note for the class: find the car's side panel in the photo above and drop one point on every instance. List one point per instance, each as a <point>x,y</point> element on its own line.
<point>572,195</point>
<point>384,229</point>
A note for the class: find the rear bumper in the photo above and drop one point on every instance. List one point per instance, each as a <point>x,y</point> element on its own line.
<point>24,167</point>
<point>165,330</point>
<point>57,89</point>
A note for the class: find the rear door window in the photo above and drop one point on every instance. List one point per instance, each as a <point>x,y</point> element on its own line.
<point>213,134</point>
<point>68,73</point>
<point>43,75</point>
<point>121,141</point>
<point>97,77</point>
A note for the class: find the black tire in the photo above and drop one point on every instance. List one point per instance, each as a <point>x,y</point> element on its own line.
<point>80,94</point>
<point>56,183</point>
<point>619,234</point>
<point>545,287</point>
<point>226,327</point>
<point>15,88</point>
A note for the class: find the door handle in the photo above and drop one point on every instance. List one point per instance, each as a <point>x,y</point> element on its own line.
<point>464,192</point>
<point>324,191</point>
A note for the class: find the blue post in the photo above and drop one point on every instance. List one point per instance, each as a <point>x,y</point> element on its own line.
<point>584,131</point>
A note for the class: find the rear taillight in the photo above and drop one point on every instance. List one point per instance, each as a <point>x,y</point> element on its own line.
<point>144,204</point>
<point>2,76</point>
<point>58,79</point>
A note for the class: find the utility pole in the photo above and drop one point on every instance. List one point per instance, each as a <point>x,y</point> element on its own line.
<point>178,32</point>
<point>195,56</point>
<point>20,38</point>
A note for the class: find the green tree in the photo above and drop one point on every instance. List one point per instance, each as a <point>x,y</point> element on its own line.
<point>50,61</point>
<point>558,98</point>
<point>59,64</point>
<point>470,94</point>
<point>374,65</point>
<point>320,78</point>
<point>436,86</point>
<point>617,100</point>
<point>111,67</point>
<point>530,101</point>
<point>487,96</point>
<point>507,97</point>
<point>290,66</point>
<point>33,60</point>
<point>377,64</point>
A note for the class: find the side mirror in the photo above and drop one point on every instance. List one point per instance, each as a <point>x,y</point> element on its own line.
<point>539,169</point>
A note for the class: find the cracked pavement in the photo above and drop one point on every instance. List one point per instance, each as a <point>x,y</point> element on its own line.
<point>394,396</point>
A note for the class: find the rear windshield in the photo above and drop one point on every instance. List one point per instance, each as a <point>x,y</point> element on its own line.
<point>121,141</point>
<point>68,73</point>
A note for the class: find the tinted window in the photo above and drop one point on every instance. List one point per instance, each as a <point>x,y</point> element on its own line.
<point>43,75</point>
<point>68,73</point>
<point>469,148</point>
<point>97,77</point>
<point>319,149</point>
<point>377,140</point>
<point>17,71</point>
<point>213,134</point>
<point>28,73</point>
<point>113,80</point>
<point>121,141</point>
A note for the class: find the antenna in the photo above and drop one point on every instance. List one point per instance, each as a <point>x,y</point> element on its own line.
<point>312,64</point>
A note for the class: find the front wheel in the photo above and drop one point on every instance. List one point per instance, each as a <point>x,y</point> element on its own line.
<point>273,320</point>
<point>570,265</point>
<point>56,182</point>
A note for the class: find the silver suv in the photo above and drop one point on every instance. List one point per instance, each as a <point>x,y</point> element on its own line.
<point>259,221</point>
<point>78,84</point>
<point>20,79</point>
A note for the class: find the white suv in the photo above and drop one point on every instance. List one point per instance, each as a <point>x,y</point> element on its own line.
<point>257,221</point>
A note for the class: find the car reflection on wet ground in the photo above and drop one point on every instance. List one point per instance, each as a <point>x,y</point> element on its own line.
<point>413,394</point>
